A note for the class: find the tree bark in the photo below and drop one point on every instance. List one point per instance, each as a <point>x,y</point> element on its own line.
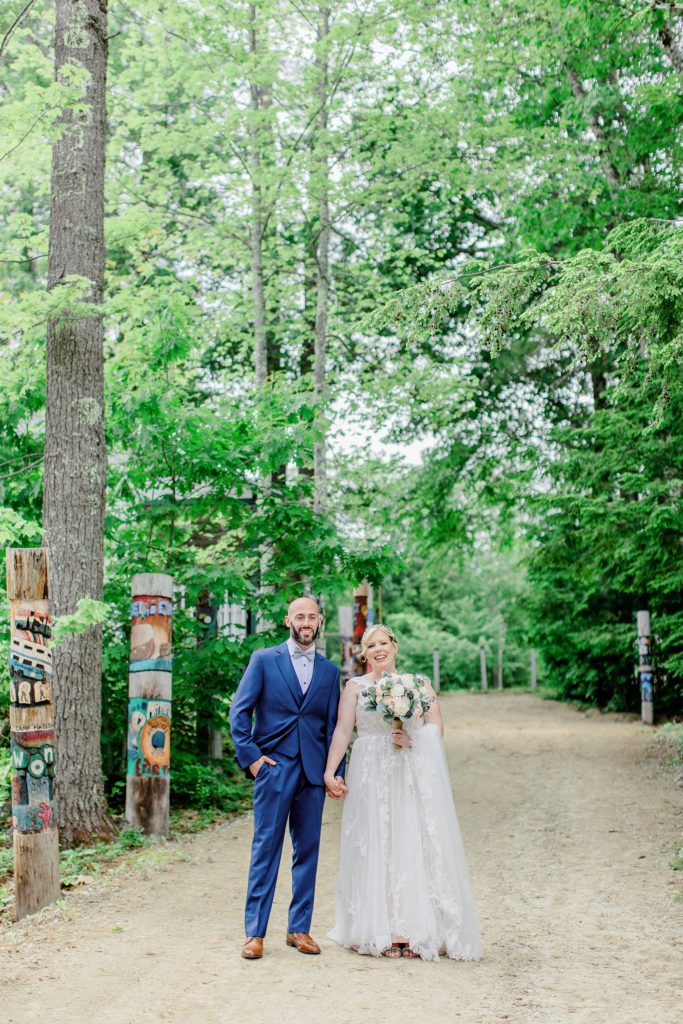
<point>75,453</point>
<point>670,38</point>
<point>578,91</point>
<point>256,234</point>
<point>323,257</point>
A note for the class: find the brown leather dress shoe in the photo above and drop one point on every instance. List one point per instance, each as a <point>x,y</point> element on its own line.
<point>303,942</point>
<point>253,948</point>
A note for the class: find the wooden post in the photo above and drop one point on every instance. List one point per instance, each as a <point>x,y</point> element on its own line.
<point>482,666</point>
<point>646,668</point>
<point>149,706</point>
<point>501,648</point>
<point>209,738</point>
<point>534,669</point>
<point>436,681</point>
<point>345,613</point>
<point>32,733</point>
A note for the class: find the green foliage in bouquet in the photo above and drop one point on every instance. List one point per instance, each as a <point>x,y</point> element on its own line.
<point>398,695</point>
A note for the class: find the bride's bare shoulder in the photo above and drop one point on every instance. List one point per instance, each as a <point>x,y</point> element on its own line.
<point>358,682</point>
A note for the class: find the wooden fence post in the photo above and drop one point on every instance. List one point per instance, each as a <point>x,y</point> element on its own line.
<point>534,669</point>
<point>148,776</point>
<point>436,672</point>
<point>345,613</point>
<point>209,738</point>
<point>646,668</point>
<point>32,733</point>
<point>482,666</point>
<point>501,648</point>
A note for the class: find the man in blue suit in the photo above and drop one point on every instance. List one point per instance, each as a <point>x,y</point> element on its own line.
<point>282,719</point>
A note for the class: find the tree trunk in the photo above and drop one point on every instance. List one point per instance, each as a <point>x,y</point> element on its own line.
<point>670,38</point>
<point>310,269</point>
<point>579,93</point>
<point>256,234</point>
<point>75,453</point>
<point>323,257</point>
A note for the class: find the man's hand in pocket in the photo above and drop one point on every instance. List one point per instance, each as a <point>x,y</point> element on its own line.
<point>255,766</point>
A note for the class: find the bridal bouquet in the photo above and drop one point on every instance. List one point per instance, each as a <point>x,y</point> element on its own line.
<point>398,696</point>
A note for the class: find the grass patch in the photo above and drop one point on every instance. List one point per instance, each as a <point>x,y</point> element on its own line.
<point>666,749</point>
<point>131,846</point>
<point>669,744</point>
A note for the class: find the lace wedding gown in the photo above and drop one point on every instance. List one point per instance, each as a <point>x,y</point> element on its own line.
<point>403,872</point>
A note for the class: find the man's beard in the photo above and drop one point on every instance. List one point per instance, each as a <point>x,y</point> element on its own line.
<point>296,635</point>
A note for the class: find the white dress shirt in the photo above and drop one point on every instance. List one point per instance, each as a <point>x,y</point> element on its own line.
<point>303,667</point>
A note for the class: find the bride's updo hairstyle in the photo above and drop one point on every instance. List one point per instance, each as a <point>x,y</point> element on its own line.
<point>365,639</point>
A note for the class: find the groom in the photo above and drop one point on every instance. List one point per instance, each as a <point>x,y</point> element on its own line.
<point>282,719</point>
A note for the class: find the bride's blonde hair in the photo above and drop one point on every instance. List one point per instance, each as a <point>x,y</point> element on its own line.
<point>368,633</point>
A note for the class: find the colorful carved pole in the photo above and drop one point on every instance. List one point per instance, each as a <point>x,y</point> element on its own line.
<point>148,776</point>
<point>32,728</point>
<point>646,669</point>
<point>345,612</point>
<point>362,618</point>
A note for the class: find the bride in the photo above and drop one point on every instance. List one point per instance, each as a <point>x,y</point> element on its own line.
<point>403,888</point>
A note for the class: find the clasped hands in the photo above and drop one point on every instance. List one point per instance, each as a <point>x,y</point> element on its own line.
<point>335,786</point>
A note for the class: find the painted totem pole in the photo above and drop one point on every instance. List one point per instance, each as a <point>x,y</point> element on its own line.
<point>646,668</point>
<point>362,618</point>
<point>32,728</point>
<point>148,775</point>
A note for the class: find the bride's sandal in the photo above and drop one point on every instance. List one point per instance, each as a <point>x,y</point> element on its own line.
<point>393,952</point>
<point>410,954</point>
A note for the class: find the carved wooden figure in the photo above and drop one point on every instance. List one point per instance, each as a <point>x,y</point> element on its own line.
<point>148,774</point>
<point>32,730</point>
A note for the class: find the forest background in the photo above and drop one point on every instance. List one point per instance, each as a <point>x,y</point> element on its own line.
<point>393,291</point>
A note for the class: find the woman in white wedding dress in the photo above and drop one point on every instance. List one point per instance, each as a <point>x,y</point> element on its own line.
<point>403,888</point>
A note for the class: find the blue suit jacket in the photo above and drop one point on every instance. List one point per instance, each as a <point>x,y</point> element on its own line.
<point>270,715</point>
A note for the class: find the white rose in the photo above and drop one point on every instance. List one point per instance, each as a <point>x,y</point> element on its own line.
<point>401,706</point>
<point>417,710</point>
<point>397,690</point>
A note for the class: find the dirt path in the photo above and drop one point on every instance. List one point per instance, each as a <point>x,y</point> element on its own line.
<point>569,834</point>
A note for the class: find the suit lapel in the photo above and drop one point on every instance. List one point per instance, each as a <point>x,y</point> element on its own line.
<point>284,663</point>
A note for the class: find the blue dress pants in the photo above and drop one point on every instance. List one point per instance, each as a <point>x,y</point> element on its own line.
<point>283,792</point>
